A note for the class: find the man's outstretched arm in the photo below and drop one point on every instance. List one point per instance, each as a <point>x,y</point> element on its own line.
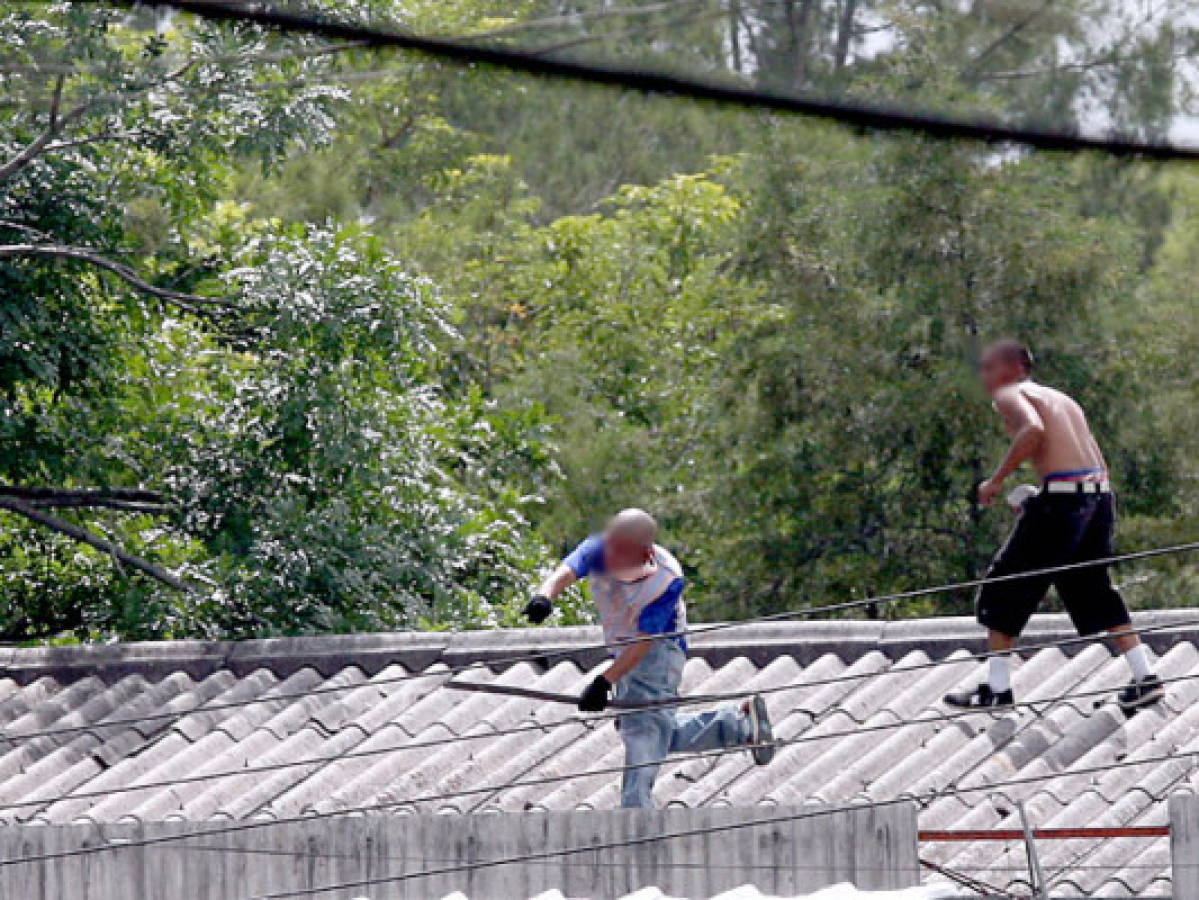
<point>558,581</point>
<point>1027,430</point>
<point>541,605</point>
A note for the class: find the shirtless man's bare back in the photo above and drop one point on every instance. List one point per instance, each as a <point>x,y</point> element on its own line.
<point>1071,519</point>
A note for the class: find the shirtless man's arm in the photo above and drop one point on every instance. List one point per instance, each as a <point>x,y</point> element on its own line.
<point>1025,427</point>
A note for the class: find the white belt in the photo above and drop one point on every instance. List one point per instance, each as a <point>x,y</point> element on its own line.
<point>1078,487</point>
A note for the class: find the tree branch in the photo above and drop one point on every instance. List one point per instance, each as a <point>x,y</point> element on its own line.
<point>26,229</point>
<point>89,139</point>
<point>83,536</point>
<point>56,100</point>
<point>129,495</point>
<point>1081,66</point>
<point>132,500</point>
<point>973,65</point>
<point>189,302</point>
<point>38,145</point>
<point>150,509</point>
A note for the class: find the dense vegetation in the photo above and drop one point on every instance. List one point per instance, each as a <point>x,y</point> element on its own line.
<point>295,336</point>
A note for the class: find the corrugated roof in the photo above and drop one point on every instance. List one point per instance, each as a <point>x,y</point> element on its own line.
<point>69,733</point>
<point>843,891</point>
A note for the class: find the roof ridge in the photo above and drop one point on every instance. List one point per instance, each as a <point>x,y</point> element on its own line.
<point>761,642</point>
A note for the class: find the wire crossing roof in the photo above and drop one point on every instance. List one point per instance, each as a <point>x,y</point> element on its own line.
<point>269,730</point>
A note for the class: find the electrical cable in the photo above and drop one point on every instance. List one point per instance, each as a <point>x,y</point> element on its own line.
<point>927,717</point>
<point>924,799</point>
<point>617,769</point>
<point>876,117</point>
<point>239,827</point>
<point>961,879</point>
<point>542,657</point>
<point>881,119</point>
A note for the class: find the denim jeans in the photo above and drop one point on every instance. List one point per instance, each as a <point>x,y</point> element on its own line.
<point>649,735</point>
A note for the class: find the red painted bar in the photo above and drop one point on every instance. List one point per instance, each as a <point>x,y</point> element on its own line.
<point>1047,834</point>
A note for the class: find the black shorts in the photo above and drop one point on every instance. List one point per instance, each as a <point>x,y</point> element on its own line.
<point>1053,530</point>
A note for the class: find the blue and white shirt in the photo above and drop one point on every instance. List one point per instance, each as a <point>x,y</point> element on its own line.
<point>649,605</point>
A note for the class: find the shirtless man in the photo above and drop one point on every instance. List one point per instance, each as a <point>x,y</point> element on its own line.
<point>1069,520</point>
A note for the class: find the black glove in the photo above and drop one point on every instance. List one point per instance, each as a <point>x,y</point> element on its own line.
<point>538,609</point>
<point>595,698</point>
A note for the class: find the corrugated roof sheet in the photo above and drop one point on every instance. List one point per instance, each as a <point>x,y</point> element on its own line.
<point>253,705</point>
<point>843,891</point>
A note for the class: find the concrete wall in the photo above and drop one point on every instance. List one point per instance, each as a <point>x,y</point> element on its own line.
<point>873,848</point>
<point>1184,845</point>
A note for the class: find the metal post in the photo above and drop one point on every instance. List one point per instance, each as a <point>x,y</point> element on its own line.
<point>1040,890</point>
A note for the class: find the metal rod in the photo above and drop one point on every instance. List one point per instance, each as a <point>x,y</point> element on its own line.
<point>1039,886</point>
<point>511,690</point>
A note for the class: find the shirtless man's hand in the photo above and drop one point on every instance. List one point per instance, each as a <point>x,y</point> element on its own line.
<point>988,491</point>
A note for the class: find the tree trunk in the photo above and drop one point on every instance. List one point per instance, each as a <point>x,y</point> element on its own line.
<point>800,26</point>
<point>735,34</point>
<point>844,34</point>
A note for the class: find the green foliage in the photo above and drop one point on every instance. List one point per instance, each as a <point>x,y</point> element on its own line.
<point>315,473</point>
<point>331,482</point>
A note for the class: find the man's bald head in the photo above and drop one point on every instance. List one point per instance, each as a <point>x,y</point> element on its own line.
<point>1004,362</point>
<point>633,525</point>
<point>629,544</point>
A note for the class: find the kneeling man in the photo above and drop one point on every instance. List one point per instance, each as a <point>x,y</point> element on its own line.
<point>638,589</point>
<point>1069,520</point>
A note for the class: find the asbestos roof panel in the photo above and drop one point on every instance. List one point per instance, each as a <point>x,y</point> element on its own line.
<point>201,731</point>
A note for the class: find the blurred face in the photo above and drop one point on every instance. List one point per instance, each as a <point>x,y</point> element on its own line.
<point>996,371</point>
<point>623,555</point>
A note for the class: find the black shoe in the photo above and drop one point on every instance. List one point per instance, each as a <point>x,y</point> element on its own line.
<point>1139,694</point>
<point>982,697</point>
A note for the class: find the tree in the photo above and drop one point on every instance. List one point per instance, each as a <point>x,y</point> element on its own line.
<point>249,418</point>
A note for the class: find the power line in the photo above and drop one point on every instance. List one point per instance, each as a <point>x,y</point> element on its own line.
<point>928,717</point>
<point>608,770</point>
<point>961,879</point>
<point>516,859</point>
<point>543,656</point>
<point>876,117</point>
<point>920,798</point>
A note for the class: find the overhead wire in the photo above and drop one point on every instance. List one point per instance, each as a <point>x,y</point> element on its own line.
<point>393,805</point>
<point>962,879</point>
<point>544,655</point>
<point>467,52</point>
<point>922,798</point>
<point>926,717</point>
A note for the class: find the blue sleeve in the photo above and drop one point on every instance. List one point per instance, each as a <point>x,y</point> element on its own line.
<point>662,616</point>
<point>588,557</point>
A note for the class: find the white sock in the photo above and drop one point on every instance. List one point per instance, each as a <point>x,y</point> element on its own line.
<point>1138,660</point>
<point>999,673</point>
